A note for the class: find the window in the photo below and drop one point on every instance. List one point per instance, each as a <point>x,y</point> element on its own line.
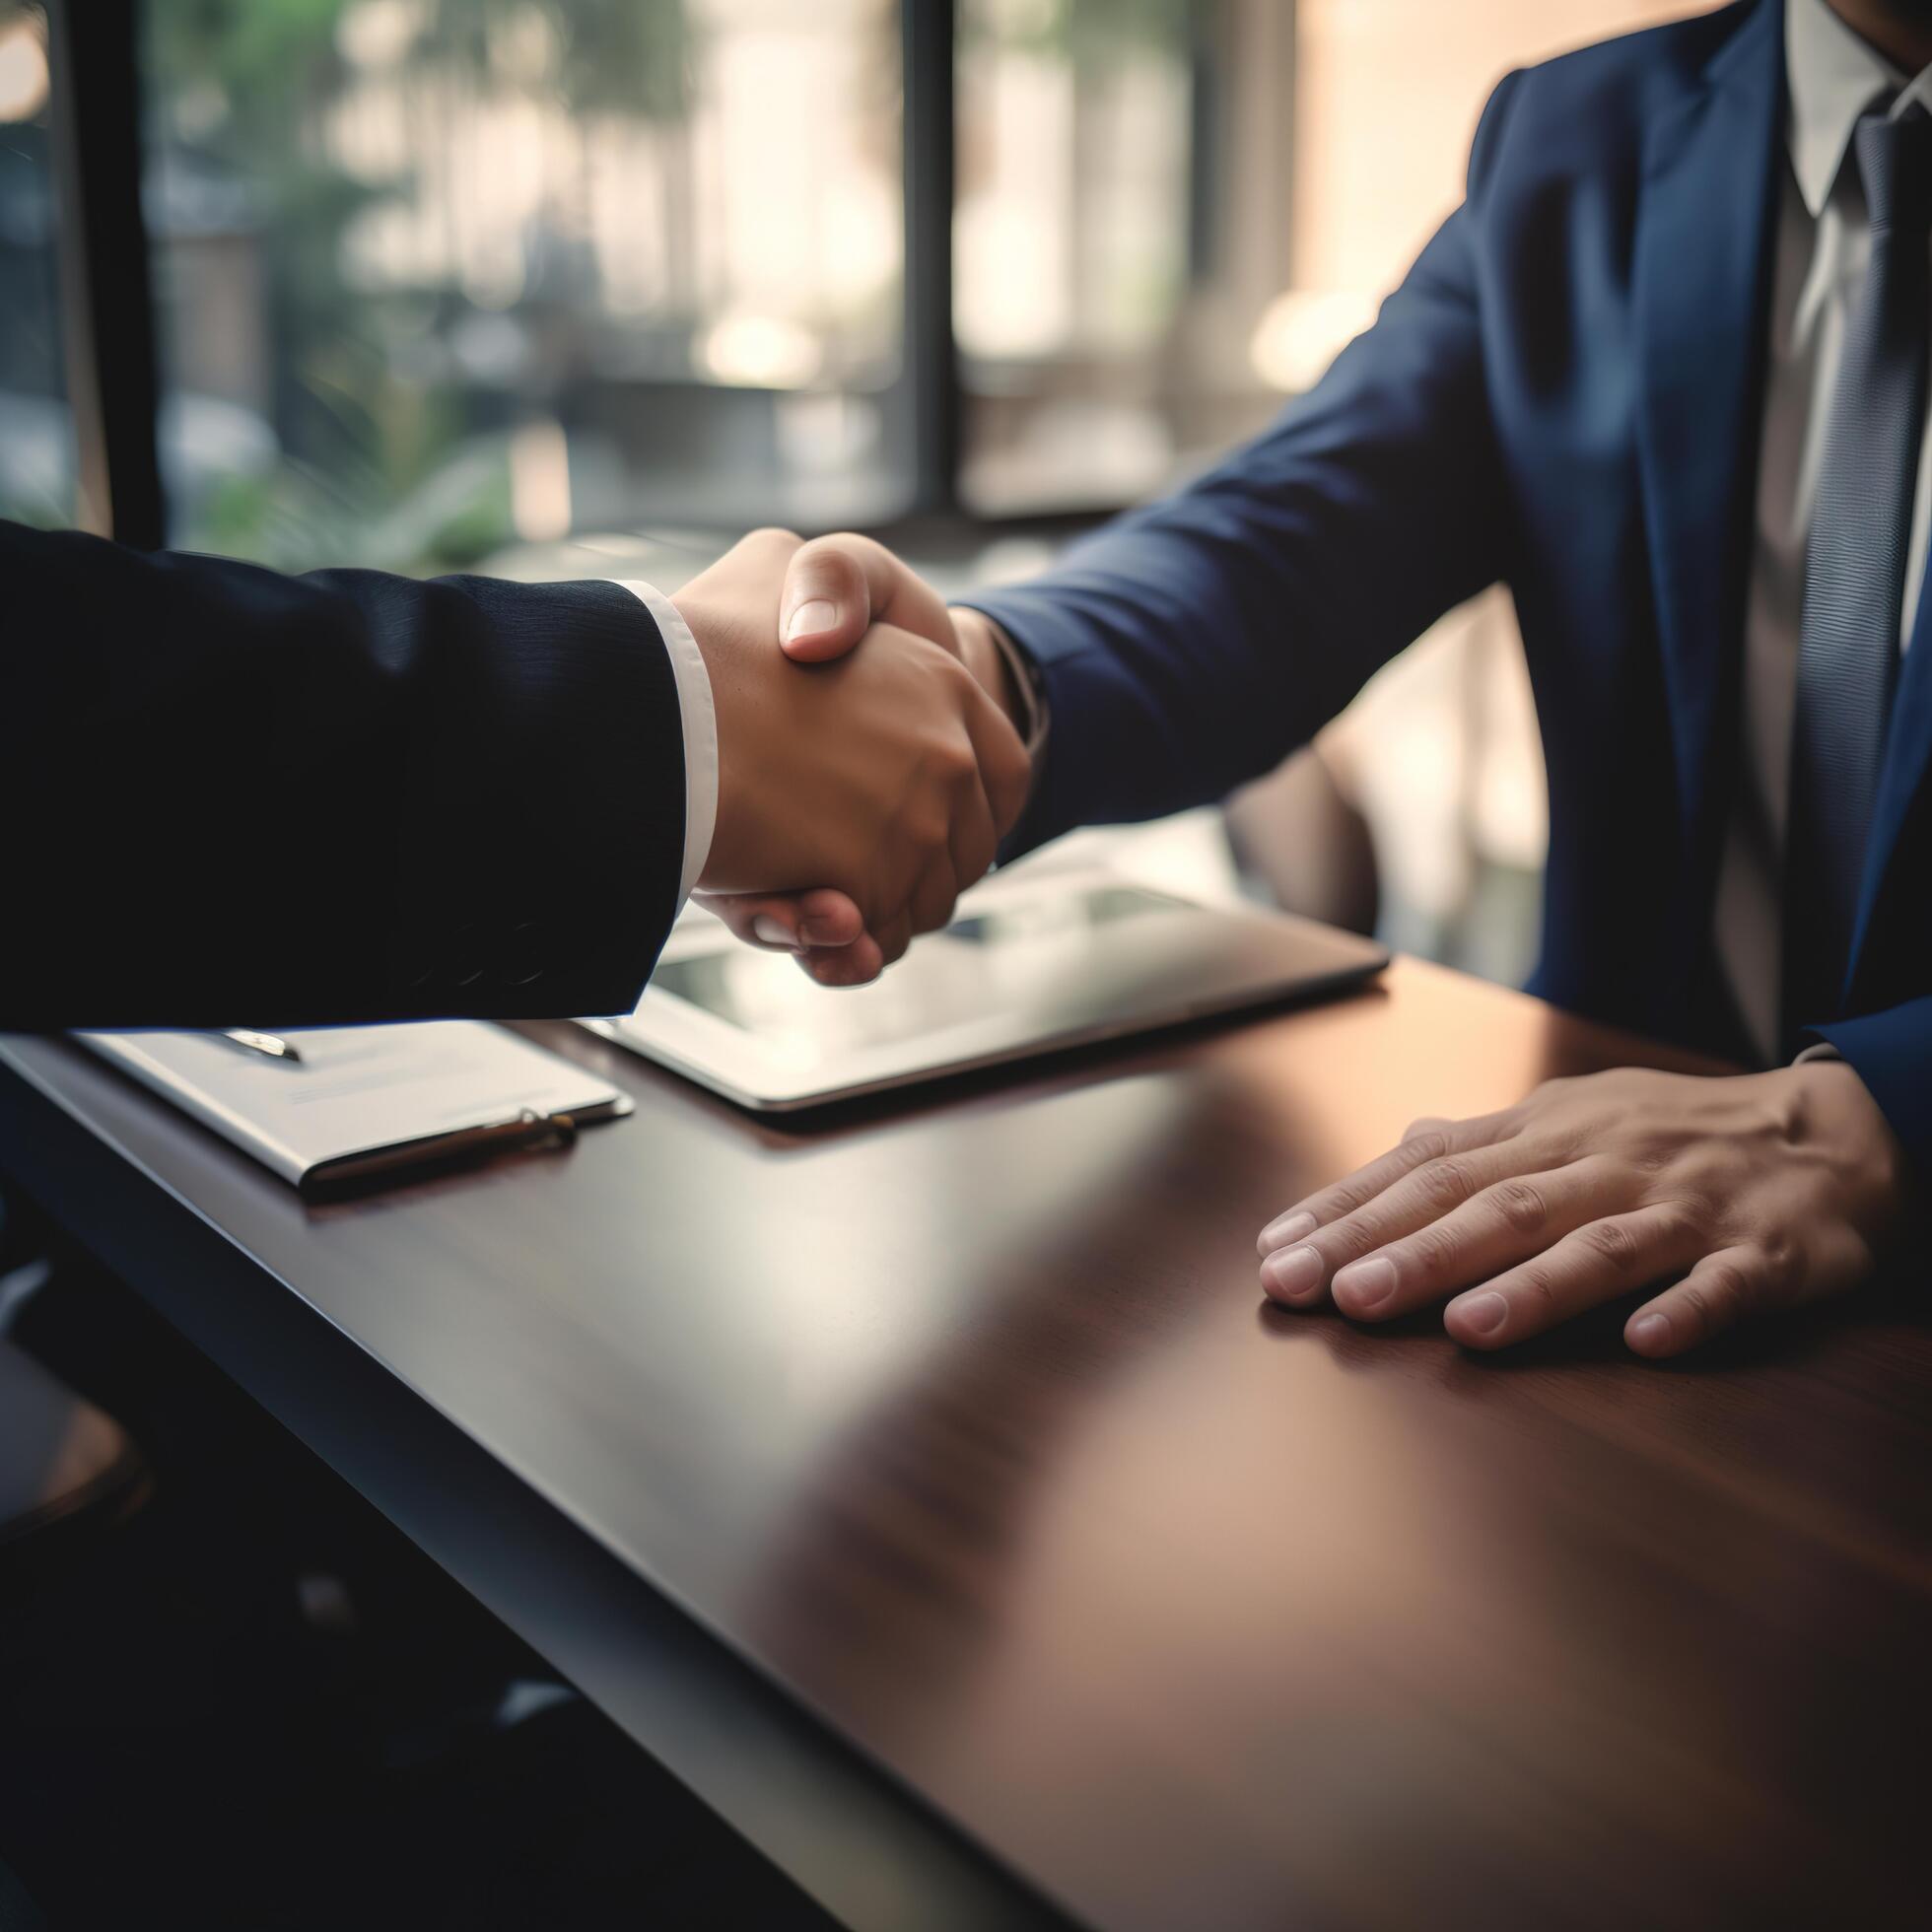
<point>1121,224</point>
<point>436,275</point>
<point>36,428</point>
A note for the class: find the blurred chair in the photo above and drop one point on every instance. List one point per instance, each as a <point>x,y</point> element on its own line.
<point>1295,834</point>
<point>1421,811</point>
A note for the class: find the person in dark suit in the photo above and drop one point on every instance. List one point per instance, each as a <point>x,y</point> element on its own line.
<point>233,796</point>
<point>1663,373</point>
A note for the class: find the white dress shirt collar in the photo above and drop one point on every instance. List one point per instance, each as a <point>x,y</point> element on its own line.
<point>1833,77</point>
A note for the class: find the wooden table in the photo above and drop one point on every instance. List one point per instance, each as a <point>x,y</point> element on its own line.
<point>934,1493</point>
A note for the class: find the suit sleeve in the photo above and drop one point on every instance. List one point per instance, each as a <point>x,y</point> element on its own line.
<point>1890,1051</point>
<point>1190,645</point>
<point>233,798</point>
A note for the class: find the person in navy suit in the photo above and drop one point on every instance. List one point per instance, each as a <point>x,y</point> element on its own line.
<point>1663,373</point>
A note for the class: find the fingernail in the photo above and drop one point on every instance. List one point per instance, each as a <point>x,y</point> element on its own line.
<point>818,615</point>
<point>1364,1286</point>
<point>1292,1275</point>
<point>1483,1313</point>
<point>1284,1232</point>
<point>1649,1332</point>
<point>766,928</point>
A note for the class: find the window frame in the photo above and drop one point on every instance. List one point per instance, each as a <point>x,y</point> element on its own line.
<point>107,297</point>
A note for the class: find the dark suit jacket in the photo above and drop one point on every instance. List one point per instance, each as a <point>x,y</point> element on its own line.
<point>231,796</point>
<point>1564,394</point>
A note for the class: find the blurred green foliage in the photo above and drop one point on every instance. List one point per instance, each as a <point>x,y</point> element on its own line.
<point>1091,33</point>
<point>377,466</point>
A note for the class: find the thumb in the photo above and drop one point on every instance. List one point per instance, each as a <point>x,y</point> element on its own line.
<point>836,587</point>
<point>826,605</point>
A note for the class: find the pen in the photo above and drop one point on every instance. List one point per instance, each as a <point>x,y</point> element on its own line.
<point>525,1132</point>
<point>250,1041</point>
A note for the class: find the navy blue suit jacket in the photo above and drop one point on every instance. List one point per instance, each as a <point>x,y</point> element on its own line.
<point>1564,395</point>
<point>235,798</point>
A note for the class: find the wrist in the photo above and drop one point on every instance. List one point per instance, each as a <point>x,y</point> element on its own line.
<point>1832,1110</point>
<point>992,668</point>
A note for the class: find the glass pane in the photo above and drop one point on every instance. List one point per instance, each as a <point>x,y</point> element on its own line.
<point>441,275</point>
<point>1070,243</point>
<point>1121,223</point>
<point>37,430</point>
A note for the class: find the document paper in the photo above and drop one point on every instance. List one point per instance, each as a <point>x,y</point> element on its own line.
<point>357,1090</point>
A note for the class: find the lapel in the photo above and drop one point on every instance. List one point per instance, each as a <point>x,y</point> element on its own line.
<point>1907,754</point>
<point>1701,287</point>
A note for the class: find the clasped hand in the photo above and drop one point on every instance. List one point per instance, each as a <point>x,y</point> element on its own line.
<point>860,791</point>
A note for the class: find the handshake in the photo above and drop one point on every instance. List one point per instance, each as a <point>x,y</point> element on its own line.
<point>868,760</point>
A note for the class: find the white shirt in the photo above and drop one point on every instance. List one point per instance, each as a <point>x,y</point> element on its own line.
<point>1824,244</point>
<point>700,721</point>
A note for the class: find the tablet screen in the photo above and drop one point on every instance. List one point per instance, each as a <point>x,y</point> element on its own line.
<point>1002,959</point>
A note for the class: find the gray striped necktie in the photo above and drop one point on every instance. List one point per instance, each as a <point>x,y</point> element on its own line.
<point>1855,568</point>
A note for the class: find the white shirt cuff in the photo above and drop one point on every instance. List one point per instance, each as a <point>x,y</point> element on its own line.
<point>700,730</point>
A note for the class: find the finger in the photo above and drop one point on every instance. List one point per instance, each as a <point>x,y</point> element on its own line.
<point>765,921</point>
<point>972,837</point>
<point>1601,1259</point>
<point>934,894</point>
<point>1435,1140</point>
<point>837,586</point>
<point>1721,1290</point>
<point>1503,1223</point>
<point>1424,1195</point>
<point>1006,769</point>
<point>893,937</point>
<point>845,966</point>
<point>787,922</point>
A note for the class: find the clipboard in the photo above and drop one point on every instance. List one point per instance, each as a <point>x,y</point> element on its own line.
<point>335,1109</point>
